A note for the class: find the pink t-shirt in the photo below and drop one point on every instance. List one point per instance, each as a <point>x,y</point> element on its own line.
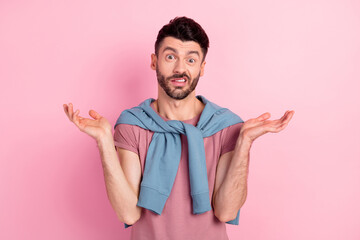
<point>177,222</point>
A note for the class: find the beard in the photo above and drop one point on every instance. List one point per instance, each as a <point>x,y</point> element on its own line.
<point>177,93</point>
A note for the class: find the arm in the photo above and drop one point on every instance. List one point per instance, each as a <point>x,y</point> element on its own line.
<point>122,178</point>
<point>230,188</point>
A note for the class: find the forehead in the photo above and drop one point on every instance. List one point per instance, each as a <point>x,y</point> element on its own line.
<point>180,46</point>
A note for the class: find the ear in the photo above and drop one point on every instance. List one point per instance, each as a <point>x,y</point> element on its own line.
<point>153,61</point>
<point>202,68</point>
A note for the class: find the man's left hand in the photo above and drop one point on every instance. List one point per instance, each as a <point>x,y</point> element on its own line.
<point>255,127</point>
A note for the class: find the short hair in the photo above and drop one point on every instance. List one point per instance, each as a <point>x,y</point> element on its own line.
<point>185,29</point>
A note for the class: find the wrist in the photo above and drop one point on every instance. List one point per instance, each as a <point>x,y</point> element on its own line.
<point>105,139</point>
<point>245,139</point>
<point>244,143</point>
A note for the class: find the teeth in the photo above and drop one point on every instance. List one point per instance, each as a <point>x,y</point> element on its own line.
<point>180,80</point>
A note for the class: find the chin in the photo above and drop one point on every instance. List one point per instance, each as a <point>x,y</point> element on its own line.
<point>179,95</point>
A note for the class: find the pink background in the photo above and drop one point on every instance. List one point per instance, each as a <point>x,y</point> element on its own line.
<point>263,56</point>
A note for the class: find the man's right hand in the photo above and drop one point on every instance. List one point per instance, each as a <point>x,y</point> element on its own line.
<point>122,178</point>
<point>98,127</point>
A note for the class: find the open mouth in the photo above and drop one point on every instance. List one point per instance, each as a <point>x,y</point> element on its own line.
<point>179,81</point>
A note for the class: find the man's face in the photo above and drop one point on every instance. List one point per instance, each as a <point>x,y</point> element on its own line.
<point>178,66</point>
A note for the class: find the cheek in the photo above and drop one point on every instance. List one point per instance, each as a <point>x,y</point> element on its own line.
<point>166,68</point>
<point>164,65</point>
<point>195,71</point>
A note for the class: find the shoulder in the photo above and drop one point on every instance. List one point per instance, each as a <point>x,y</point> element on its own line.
<point>234,128</point>
<point>130,137</point>
<point>128,129</point>
<point>229,136</point>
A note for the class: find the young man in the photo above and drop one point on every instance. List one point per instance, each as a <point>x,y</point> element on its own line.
<point>181,144</point>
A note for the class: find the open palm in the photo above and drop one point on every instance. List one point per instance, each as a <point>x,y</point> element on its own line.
<point>254,128</point>
<point>96,127</point>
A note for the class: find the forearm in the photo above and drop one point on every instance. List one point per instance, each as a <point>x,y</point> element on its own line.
<point>122,197</point>
<point>233,191</point>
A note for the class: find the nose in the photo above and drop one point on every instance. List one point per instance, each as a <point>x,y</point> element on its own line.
<point>179,66</point>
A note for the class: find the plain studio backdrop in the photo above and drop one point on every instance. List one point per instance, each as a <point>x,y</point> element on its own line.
<point>264,56</point>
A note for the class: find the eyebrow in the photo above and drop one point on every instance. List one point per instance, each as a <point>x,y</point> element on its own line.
<point>174,50</point>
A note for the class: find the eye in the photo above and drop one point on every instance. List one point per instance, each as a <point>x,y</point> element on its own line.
<point>170,57</point>
<point>191,60</point>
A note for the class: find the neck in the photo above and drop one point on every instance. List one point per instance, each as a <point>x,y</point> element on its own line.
<point>181,110</point>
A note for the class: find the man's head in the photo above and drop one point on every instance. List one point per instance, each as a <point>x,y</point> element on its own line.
<point>180,51</point>
<point>184,29</point>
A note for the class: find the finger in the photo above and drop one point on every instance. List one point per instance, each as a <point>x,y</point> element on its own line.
<point>81,122</point>
<point>263,116</point>
<point>288,116</point>
<point>71,112</point>
<point>76,117</point>
<point>65,107</point>
<point>284,116</point>
<point>291,114</point>
<point>76,114</point>
<point>94,114</point>
<point>66,110</point>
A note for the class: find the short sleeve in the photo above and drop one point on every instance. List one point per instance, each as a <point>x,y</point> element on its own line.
<point>229,137</point>
<point>125,137</point>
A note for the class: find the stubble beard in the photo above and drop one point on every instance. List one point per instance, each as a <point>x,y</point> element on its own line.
<point>177,93</point>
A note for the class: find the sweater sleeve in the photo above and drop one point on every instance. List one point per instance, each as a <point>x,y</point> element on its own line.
<point>125,137</point>
<point>229,138</point>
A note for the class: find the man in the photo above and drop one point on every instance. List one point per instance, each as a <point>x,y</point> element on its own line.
<point>158,148</point>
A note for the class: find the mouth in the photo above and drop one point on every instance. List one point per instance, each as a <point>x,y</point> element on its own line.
<point>179,81</point>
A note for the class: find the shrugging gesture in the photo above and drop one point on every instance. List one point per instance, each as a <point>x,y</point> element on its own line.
<point>97,127</point>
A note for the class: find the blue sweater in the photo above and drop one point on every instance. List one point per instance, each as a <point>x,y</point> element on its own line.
<point>163,156</point>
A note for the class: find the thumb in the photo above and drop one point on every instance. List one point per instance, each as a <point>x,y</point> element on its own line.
<point>94,114</point>
<point>263,116</point>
